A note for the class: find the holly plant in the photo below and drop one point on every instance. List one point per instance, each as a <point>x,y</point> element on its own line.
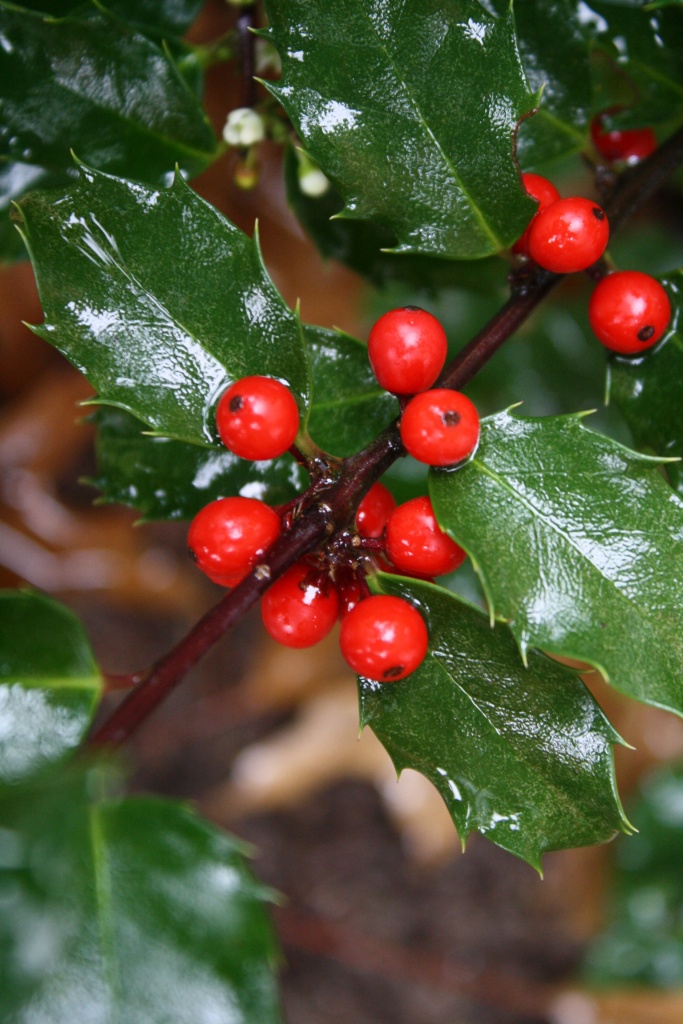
<point>468,158</point>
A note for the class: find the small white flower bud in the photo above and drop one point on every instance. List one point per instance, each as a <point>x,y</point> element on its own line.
<point>243,128</point>
<point>313,182</point>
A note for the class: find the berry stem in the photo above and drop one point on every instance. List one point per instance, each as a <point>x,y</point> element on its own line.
<point>335,503</point>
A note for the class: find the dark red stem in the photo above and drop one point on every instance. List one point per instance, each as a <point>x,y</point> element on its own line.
<point>246,41</point>
<point>335,502</point>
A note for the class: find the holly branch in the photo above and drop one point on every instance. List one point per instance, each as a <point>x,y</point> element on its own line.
<point>328,508</point>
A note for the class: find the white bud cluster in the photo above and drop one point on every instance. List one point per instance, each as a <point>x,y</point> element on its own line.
<point>243,128</point>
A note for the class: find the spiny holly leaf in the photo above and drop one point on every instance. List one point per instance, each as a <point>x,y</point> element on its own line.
<point>646,45</point>
<point>643,940</point>
<point>96,87</point>
<point>121,911</point>
<point>349,407</point>
<point>410,110</point>
<point>158,300</point>
<point>49,683</point>
<point>366,247</point>
<point>578,544</point>
<point>522,755</point>
<point>555,53</point>
<point>168,479</point>
<point>649,391</point>
<point>15,180</point>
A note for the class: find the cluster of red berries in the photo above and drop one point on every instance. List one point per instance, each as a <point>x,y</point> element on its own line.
<point>628,311</point>
<point>384,638</point>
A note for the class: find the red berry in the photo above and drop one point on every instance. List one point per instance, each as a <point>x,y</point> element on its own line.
<point>629,311</point>
<point>440,427</point>
<point>384,638</point>
<point>300,608</point>
<point>628,144</point>
<point>407,349</point>
<point>374,510</point>
<point>228,536</point>
<point>257,418</point>
<point>568,235</point>
<point>416,544</point>
<point>545,193</point>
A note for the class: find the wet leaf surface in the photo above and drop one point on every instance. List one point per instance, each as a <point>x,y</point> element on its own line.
<point>577,541</point>
<point>522,755</point>
<point>127,910</point>
<point>410,111</point>
<point>49,683</point>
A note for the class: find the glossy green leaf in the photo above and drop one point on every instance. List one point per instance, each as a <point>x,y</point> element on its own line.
<point>646,47</point>
<point>159,300</point>
<point>98,88</point>
<point>410,110</point>
<point>158,17</point>
<point>49,683</point>
<point>15,180</point>
<point>127,911</point>
<point>168,479</point>
<point>649,391</point>
<point>365,246</point>
<point>522,755</point>
<point>555,53</point>
<point>578,544</point>
<point>349,408</point>
<point>642,942</point>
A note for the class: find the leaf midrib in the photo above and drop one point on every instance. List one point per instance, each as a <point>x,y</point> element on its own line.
<point>479,216</point>
<point>560,533</point>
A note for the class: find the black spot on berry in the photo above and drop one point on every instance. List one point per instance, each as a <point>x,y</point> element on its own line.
<point>413,309</point>
<point>450,418</point>
<point>645,333</point>
<point>393,672</point>
<point>192,554</point>
<point>598,213</point>
<point>235,403</point>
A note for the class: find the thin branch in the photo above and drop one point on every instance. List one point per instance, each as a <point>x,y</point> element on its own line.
<point>246,42</point>
<point>333,505</point>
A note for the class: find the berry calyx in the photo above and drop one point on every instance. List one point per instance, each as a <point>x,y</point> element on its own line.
<point>629,311</point>
<point>407,349</point>
<point>440,427</point>
<point>374,510</point>
<point>300,608</point>
<point>569,235</point>
<point>384,638</point>
<point>622,144</point>
<point>257,418</point>
<point>417,545</point>
<point>228,536</point>
<point>545,193</point>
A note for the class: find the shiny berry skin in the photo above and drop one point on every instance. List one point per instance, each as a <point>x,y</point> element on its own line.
<point>350,593</point>
<point>440,427</point>
<point>545,193</point>
<point>384,638</point>
<point>628,145</point>
<point>629,312</point>
<point>257,418</point>
<point>407,349</point>
<point>228,536</point>
<point>374,510</point>
<point>299,610</point>
<point>416,544</point>
<point>569,235</point>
